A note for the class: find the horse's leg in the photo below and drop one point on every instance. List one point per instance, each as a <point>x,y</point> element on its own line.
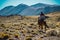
<point>41,27</point>
<point>46,26</point>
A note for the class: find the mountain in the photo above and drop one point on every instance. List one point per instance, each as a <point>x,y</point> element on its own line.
<point>14,11</point>
<point>6,10</point>
<point>26,10</point>
<point>31,11</point>
<point>39,5</point>
<point>38,8</point>
<point>53,8</point>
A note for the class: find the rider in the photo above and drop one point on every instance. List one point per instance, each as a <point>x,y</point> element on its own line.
<point>42,19</point>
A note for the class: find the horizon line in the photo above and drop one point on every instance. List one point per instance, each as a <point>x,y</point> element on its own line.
<point>30,5</point>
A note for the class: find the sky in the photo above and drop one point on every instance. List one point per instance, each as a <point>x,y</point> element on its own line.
<point>4,3</point>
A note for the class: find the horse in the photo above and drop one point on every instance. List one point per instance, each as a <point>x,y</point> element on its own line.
<point>42,24</point>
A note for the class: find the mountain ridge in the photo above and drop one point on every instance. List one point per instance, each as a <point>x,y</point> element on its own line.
<point>25,10</point>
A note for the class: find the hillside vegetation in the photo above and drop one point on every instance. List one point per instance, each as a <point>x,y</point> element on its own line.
<point>26,27</point>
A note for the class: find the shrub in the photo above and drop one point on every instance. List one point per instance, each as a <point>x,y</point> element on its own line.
<point>28,39</point>
<point>2,25</point>
<point>52,33</point>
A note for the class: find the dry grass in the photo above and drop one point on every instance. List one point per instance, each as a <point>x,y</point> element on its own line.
<point>27,27</point>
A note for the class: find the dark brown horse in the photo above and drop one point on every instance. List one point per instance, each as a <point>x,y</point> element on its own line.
<point>42,24</point>
<point>41,21</point>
